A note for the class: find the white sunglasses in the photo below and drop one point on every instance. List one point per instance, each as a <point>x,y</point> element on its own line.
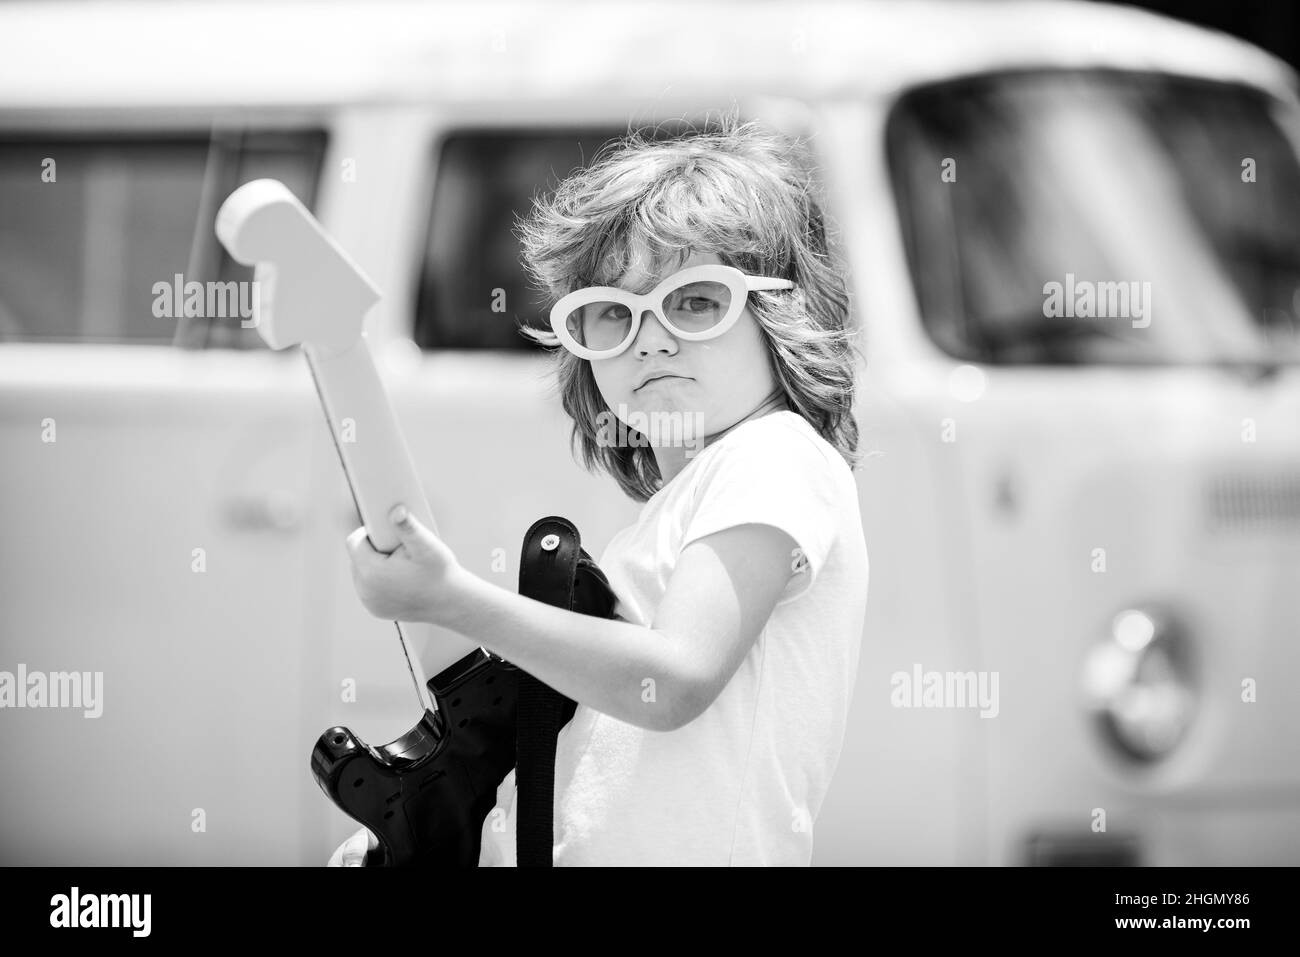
<point>697,303</point>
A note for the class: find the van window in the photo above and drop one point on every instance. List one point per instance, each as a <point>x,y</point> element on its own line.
<point>1100,218</point>
<point>92,223</point>
<point>473,289</point>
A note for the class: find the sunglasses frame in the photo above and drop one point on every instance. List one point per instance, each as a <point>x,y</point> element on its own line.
<point>740,284</point>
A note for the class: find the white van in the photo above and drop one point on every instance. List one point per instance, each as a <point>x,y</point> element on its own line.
<point>1074,249</point>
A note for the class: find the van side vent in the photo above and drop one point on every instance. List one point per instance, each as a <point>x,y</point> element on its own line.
<point>1255,502</point>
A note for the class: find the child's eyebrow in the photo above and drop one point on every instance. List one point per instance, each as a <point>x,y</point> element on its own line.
<point>644,287</point>
<point>662,271</point>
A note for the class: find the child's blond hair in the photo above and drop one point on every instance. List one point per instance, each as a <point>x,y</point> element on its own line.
<point>734,189</point>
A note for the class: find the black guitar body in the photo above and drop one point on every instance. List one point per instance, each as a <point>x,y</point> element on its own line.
<point>425,796</point>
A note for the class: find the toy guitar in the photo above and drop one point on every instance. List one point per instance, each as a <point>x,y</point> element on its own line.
<point>425,795</point>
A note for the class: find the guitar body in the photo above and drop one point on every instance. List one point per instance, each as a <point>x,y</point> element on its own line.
<point>426,795</point>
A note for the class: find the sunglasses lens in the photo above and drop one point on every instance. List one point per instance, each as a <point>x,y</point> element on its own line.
<point>698,306</point>
<point>600,325</point>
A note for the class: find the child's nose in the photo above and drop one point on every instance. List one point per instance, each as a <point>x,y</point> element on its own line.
<point>653,336</point>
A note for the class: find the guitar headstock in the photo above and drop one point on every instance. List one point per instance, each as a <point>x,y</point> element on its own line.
<point>311,292</point>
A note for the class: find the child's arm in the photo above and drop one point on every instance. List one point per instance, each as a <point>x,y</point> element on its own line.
<point>721,593</point>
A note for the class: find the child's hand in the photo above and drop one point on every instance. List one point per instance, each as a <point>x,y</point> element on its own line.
<point>420,581</point>
<point>353,851</point>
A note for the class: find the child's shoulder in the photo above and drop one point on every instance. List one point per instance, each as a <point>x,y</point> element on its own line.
<point>785,433</point>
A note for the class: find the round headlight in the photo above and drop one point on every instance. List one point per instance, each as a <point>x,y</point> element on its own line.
<point>1139,684</point>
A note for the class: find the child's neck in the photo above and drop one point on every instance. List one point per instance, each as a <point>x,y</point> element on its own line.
<point>773,403</point>
<point>672,460</point>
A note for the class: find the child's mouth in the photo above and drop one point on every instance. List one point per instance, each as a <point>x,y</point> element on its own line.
<point>661,378</point>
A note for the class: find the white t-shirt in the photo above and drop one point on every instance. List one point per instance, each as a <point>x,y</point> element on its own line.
<point>743,783</point>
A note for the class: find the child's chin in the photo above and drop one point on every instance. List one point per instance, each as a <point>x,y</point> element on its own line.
<point>668,421</point>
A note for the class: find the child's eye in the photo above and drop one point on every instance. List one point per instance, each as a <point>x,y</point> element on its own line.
<point>699,300</point>
<point>700,304</point>
<point>615,312</point>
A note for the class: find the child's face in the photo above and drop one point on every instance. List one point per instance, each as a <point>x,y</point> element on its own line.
<point>721,380</point>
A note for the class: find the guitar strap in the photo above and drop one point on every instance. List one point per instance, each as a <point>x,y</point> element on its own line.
<point>554,568</point>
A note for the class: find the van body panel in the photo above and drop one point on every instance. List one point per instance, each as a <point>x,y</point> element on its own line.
<point>983,514</point>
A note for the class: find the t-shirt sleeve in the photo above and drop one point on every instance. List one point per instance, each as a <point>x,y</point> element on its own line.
<point>775,476</point>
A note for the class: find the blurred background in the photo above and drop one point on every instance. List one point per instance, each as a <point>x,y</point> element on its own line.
<point>1096,514</point>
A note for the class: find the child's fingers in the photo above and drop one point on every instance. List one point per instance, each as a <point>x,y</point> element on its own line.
<point>359,544</point>
<point>420,542</point>
<point>352,852</point>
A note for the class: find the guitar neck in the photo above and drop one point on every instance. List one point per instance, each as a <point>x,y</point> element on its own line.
<point>375,457</point>
<point>378,466</point>
<point>315,296</point>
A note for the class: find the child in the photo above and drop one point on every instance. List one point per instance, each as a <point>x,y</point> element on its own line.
<point>711,713</point>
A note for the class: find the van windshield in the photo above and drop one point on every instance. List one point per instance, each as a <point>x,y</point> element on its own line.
<point>1101,217</point>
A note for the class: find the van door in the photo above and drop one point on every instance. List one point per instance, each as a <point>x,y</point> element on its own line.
<point>154,497</point>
